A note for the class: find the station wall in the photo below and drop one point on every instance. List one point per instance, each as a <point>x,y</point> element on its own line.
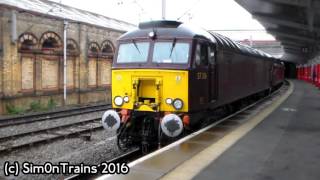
<point>31,67</point>
<point>1,61</point>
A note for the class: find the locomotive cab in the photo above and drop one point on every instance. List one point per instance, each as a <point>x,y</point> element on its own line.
<point>144,78</point>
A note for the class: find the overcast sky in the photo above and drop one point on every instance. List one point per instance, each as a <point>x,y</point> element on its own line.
<point>208,14</point>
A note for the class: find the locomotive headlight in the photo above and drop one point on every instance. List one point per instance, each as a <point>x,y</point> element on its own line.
<point>126,99</point>
<point>169,101</point>
<point>118,101</point>
<point>178,104</point>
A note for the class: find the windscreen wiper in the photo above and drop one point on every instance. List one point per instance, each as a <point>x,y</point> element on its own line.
<point>172,46</point>
<point>135,45</point>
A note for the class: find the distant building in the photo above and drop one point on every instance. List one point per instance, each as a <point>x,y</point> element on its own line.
<point>31,53</point>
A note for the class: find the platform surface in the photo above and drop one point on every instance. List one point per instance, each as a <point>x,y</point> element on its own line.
<point>284,146</point>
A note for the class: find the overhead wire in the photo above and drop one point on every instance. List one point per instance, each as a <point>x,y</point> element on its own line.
<point>143,11</point>
<point>188,10</point>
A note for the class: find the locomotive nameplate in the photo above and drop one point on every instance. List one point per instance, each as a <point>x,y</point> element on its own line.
<point>202,75</point>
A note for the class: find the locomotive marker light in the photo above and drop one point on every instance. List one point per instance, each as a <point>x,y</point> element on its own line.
<point>110,120</point>
<point>169,101</point>
<point>118,101</point>
<point>171,125</point>
<point>178,104</point>
<point>126,99</point>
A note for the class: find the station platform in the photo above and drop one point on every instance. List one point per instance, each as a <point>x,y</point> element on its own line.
<point>279,139</point>
<point>285,145</point>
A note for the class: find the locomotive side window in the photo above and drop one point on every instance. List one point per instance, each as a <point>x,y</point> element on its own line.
<point>211,55</point>
<point>198,54</point>
<point>204,55</point>
<point>134,52</point>
<point>171,52</point>
<point>201,55</point>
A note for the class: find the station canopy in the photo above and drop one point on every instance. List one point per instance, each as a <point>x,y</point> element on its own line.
<point>295,23</point>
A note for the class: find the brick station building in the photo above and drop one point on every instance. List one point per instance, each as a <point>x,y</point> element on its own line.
<point>31,53</point>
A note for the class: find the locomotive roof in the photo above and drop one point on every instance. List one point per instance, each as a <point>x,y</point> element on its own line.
<point>175,29</point>
<point>166,29</point>
<point>227,43</point>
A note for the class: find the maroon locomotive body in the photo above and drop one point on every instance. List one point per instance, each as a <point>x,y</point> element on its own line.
<point>237,72</point>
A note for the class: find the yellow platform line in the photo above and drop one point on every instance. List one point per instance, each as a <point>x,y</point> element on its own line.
<point>190,168</point>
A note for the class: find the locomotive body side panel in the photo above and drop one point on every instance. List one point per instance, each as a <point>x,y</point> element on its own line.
<point>240,76</point>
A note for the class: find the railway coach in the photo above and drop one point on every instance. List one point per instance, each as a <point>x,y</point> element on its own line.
<point>165,75</point>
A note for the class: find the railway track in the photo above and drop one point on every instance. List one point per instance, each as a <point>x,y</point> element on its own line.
<point>48,135</point>
<point>25,119</point>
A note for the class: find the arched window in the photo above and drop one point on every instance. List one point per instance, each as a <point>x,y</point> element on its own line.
<point>72,51</point>
<point>104,65</point>
<point>93,54</point>
<point>27,42</point>
<point>50,41</point>
<point>50,67</point>
<point>107,47</point>
<point>72,46</point>
<point>93,49</point>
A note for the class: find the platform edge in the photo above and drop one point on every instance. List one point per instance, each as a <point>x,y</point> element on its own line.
<point>190,168</point>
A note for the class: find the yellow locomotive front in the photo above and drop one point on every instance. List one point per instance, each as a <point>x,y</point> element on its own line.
<point>150,77</point>
<point>152,90</point>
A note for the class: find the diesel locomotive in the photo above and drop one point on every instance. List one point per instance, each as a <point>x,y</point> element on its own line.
<point>165,75</point>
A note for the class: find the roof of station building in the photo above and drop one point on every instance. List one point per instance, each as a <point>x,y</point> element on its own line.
<point>58,10</point>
